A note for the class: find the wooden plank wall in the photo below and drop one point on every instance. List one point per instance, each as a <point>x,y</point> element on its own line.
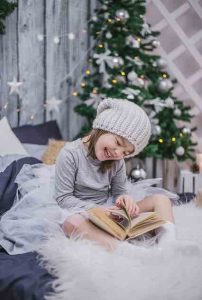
<point>43,66</point>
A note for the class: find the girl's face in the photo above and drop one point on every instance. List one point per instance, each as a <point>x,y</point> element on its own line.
<point>110,146</point>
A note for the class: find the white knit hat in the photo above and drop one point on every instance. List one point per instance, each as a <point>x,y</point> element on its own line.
<point>126,119</point>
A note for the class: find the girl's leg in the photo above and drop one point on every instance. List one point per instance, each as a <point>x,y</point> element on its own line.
<point>166,234</point>
<point>158,203</point>
<point>80,227</point>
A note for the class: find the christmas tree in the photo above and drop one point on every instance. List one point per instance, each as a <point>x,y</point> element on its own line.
<point>123,65</point>
<point>6,8</point>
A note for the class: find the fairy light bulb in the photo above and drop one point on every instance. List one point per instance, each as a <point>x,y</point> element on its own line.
<point>173,139</point>
<point>94,91</point>
<point>100,45</point>
<point>114,81</point>
<point>161,141</point>
<point>181,135</point>
<point>71,36</point>
<point>75,94</point>
<point>164,75</point>
<point>83,84</point>
<point>139,40</point>
<point>109,20</point>
<point>123,73</point>
<point>88,72</point>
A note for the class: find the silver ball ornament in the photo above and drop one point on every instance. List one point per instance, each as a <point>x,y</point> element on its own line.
<point>169,102</point>
<point>161,63</point>
<point>177,112</point>
<point>122,15</point>
<point>94,18</point>
<point>156,130</point>
<point>117,61</point>
<point>186,130</point>
<point>155,43</point>
<point>180,151</point>
<point>132,76</point>
<point>135,173</point>
<point>164,85</point>
<point>108,35</point>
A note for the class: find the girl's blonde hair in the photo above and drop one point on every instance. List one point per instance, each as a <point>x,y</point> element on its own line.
<point>94,135</point>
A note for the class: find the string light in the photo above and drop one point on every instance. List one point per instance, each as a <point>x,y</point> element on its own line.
<point>56,40</point>
<point>109,20</point>
<point>114,81</point>
<point>100,45</point>
<point>71,36</point>
<point>181,135</point>
<point>161,141</point>
<point>173,139</point>
<point>123,73</point>
<point>83,84</point>
<point>139,39</point>
<point>164,76</point>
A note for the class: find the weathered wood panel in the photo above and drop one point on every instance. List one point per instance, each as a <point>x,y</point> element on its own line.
<point>57,60</point>
<point>43,65</point>
<point>31,59</point>
<point>78,55</point>
<point>9,68</point>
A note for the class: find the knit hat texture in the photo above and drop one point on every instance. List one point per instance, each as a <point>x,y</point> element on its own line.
<point>126,119</point>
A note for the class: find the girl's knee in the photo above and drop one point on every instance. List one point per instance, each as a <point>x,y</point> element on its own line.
<point>161,199</point>
<point>72,224</point>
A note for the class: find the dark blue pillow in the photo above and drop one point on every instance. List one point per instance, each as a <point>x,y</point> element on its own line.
<point>8,187</point>
<point>38,134</point>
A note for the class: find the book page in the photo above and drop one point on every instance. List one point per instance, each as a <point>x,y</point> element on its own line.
<point>144,222</point>
<point>103,221</point>
<point>121,217</point>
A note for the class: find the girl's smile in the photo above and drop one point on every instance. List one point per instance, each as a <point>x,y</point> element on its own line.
<point>112,147</point>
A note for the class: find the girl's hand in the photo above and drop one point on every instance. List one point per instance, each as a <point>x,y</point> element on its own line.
<point>130,205</point>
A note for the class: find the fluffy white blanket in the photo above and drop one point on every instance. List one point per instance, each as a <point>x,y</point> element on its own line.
<point>86,271</point>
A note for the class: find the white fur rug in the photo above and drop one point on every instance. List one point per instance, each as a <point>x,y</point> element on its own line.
<point>86,271</point>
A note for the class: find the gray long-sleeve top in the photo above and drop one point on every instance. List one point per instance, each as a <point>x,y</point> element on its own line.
<point>78,184</point>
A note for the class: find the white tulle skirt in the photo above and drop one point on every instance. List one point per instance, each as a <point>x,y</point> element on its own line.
<point>35,214</point>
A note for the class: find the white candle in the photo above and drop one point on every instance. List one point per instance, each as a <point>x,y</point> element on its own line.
<point>199,161</point>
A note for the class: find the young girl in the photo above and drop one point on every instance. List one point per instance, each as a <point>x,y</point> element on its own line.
<point>91,170</point>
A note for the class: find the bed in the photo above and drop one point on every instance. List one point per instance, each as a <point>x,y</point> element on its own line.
<point>22,277</point>
<point>75,269</point>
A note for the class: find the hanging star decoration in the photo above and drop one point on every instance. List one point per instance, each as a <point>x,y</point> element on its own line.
<point>53,104</point>
<point>14,86</point>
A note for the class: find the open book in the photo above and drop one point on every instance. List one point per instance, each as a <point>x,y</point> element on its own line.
<point>119,224</point>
